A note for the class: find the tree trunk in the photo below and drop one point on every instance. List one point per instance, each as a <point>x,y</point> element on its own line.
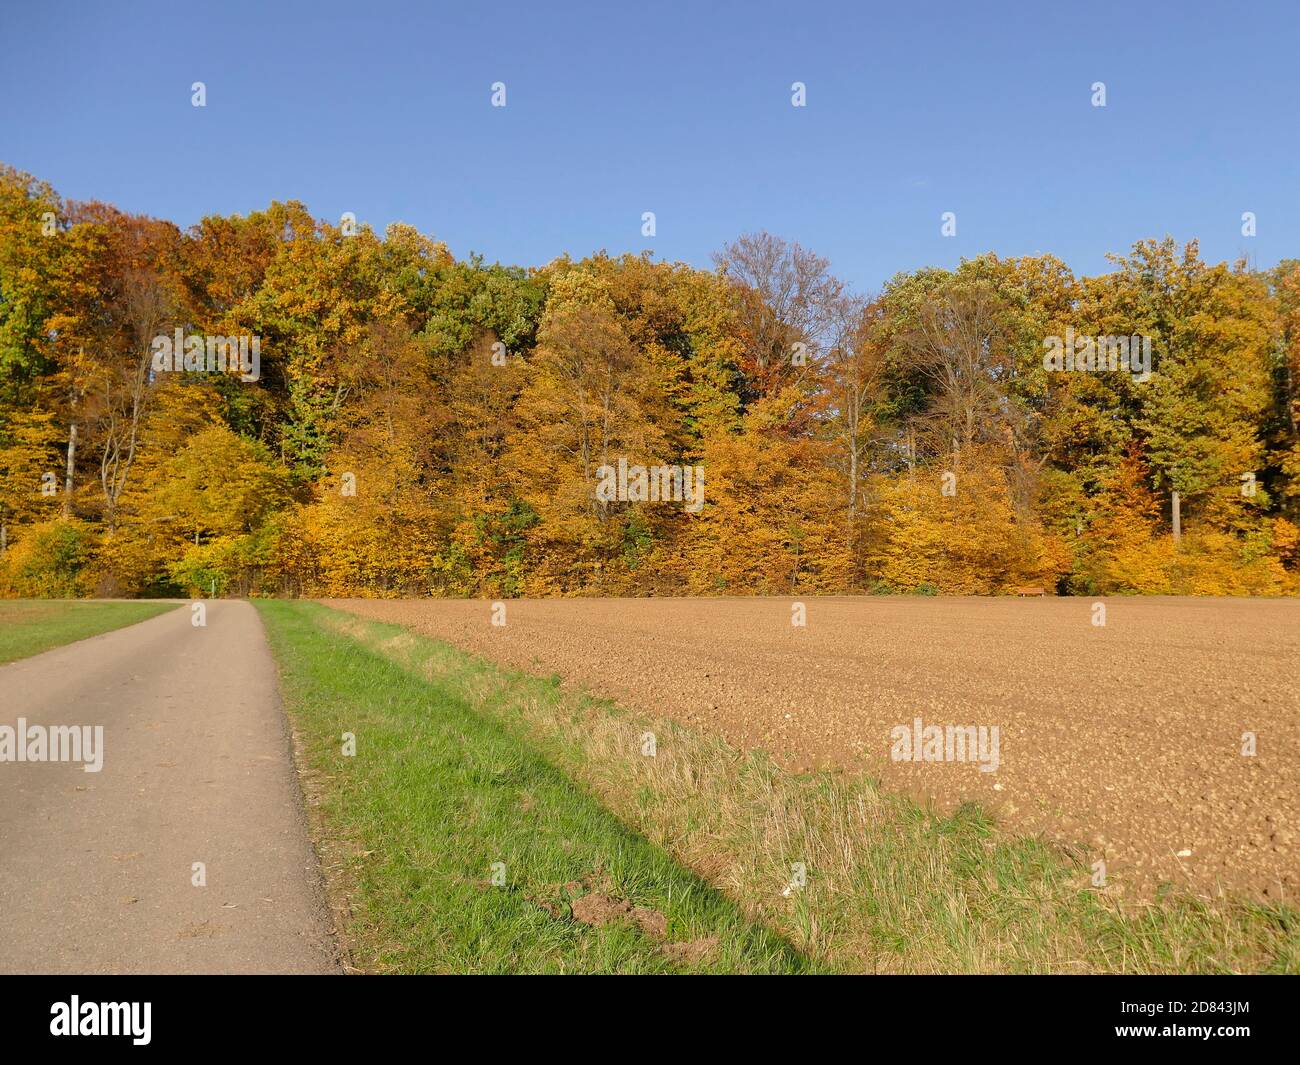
<point>67,477</point>
<point>853,480</point>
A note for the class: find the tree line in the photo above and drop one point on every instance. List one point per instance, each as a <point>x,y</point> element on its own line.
<point>423,425</point>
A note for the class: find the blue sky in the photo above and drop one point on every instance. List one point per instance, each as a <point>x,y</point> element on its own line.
<point>914,109</point>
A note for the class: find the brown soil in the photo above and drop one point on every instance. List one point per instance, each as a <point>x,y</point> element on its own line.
<point>693,953</point>
<point>599,909</point>
<point>1126,739</point>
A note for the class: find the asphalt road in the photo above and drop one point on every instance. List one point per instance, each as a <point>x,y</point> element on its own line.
<point>97,869</point>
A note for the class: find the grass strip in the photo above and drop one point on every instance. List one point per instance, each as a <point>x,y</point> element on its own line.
<point>30,626</point>
<point>441,798</point>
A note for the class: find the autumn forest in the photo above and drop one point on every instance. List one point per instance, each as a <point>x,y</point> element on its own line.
<point>419,425</point>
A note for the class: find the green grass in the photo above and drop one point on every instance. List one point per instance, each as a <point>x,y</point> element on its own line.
<point>437,792</point>
<point>28,627</point>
